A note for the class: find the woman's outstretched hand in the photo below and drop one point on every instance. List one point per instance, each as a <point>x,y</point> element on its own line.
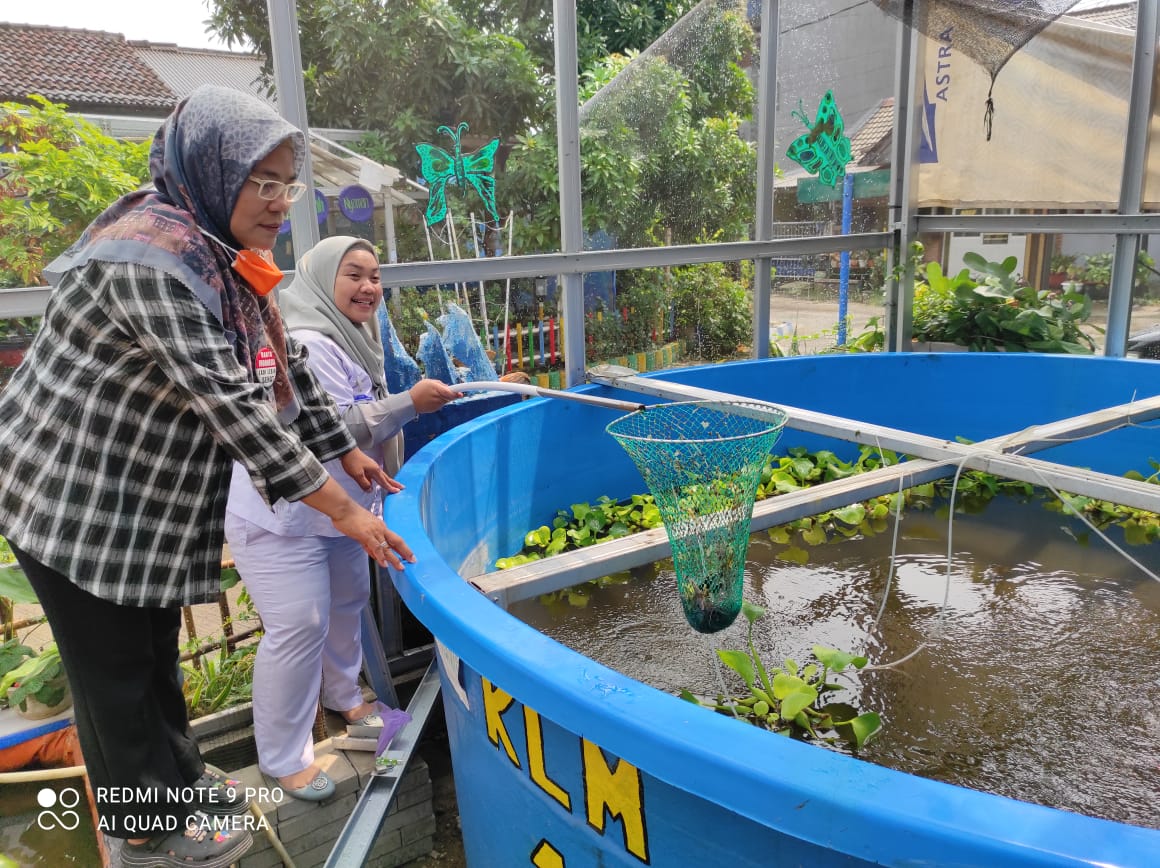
<point>366,472</point>
<point>429,395</point>
<point>352,520</point>
<point>379,541</point>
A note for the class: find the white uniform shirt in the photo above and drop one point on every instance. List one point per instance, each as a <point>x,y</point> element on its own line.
<point>349,385</point>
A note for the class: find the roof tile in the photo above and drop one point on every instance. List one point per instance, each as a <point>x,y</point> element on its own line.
<point>78,67</point>
<point>866,140</point>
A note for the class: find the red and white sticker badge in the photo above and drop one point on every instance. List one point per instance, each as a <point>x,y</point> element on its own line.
<point>265,366</point>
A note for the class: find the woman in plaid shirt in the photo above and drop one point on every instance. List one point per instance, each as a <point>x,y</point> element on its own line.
<point>161,359</point>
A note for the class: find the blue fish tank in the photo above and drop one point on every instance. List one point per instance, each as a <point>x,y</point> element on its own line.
<point>562,761</point>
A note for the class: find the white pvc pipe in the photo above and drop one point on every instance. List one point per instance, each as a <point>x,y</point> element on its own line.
<point>41,775</point>
<point>539,392</point>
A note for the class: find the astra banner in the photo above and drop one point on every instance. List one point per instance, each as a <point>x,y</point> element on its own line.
<point>1058,127</point>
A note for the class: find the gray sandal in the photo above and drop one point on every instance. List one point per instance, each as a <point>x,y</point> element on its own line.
<point>196,846</point>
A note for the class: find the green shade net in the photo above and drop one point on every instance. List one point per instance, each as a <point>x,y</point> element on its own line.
<point>702,461</point>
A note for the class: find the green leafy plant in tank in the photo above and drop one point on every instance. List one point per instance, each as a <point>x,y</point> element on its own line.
<point>790,699</point>
<point>1140,526</point>
<point>585,524</point>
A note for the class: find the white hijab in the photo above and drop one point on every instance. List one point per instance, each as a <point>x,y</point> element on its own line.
<point>308,303</point>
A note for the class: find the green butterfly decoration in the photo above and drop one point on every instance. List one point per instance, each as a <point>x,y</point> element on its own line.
<point>440,168</point>
<point>825,150</point>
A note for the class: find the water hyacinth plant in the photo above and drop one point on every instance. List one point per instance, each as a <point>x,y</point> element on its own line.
<point>791,699</point>
<point>40,677</point>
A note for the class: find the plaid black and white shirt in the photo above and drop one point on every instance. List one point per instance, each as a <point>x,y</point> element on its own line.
<point>118,430</point>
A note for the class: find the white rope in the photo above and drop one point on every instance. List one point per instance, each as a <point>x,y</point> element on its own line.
<point>431,258</point>
<point>507,302</point>
<point>1046,483</point>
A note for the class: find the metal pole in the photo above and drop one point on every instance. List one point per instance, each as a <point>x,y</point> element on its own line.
<point>480,253</point>
<point>763,225</point>
<point>1132,180</point>
<point>392,249</point>
<point>571,218</point>
<point>844,269</point>
<point>900,284</point>
<point>286,54</point>
<point>361,832</point>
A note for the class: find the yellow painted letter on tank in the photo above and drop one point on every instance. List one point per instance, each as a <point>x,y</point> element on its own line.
<point>536,765</point>
<point>495,703</point>
<point>618,792</point>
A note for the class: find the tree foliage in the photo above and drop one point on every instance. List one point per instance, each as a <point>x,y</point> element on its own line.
<point>711,309</point>
<point>661,157</point>
<point>57,172</point>
<point>603,27</point>
<point>607,27</point>
<point>663,98</point>
<point>401,68</point>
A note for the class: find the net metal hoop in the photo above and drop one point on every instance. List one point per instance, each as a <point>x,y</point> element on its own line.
<point>773,418</point>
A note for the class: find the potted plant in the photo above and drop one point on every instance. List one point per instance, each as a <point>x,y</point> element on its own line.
<point>1060,265</point>
<point>1075,276</point>
<point>38,687</point>
<point>986,307</point>
<point>1097,274</point>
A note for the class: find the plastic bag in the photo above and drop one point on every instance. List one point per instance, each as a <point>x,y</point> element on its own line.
<point>435,359</point>
<point>401,370</point>
<point>464,345</point>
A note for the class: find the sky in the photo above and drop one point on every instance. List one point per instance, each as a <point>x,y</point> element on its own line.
<point>177,21</point>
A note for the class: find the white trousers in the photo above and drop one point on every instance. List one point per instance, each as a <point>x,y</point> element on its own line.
<point>309,592</point>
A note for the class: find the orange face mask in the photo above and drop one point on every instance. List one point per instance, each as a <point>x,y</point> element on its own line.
<point>257,270</point>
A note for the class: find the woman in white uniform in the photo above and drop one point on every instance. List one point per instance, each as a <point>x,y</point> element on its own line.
<point>308,582</point>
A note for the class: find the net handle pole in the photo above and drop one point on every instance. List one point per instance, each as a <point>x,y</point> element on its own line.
<point>540,392</point>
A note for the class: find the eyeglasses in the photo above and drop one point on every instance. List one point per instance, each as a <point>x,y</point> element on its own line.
<point>271,190</point>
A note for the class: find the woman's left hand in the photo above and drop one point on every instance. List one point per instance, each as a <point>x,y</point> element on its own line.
<point>366,472</point>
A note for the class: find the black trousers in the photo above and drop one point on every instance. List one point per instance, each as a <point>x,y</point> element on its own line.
<point>122,666</point>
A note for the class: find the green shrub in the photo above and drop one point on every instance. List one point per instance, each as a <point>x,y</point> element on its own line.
<point>984,307</point>
<point>711,310</point>
<point>57,172</point>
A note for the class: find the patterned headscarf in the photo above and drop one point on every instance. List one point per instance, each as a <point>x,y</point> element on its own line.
<point>308,303</point>
<point>199,162</point>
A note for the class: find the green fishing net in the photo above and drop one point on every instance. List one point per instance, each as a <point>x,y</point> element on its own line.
<point>702,461</point>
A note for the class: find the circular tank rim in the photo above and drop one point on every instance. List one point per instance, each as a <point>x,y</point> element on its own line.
<point>880,812</point>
